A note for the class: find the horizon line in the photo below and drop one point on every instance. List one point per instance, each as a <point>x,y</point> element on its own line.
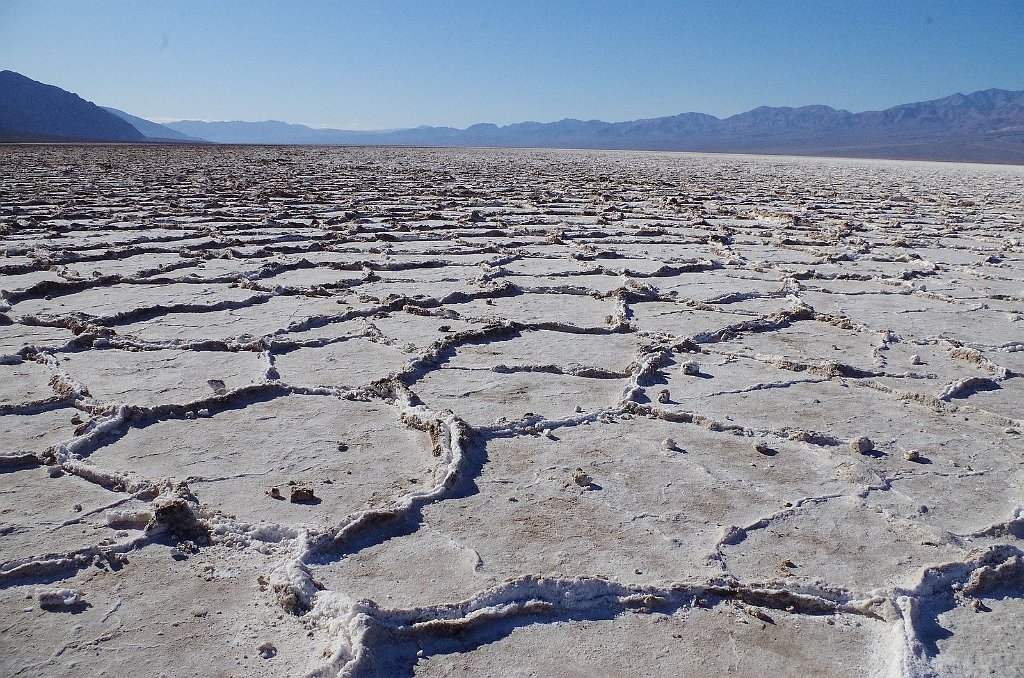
<point>164,120</point>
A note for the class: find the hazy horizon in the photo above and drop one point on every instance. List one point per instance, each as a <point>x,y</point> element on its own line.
<point>384,65</point>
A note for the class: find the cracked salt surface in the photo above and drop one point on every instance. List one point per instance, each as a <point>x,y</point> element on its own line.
<point>433,351</point>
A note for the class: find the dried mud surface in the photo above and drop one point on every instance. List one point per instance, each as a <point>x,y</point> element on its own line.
<point>541,413</point>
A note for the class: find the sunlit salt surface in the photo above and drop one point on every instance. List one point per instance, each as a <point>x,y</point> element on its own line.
<point>541,413</point>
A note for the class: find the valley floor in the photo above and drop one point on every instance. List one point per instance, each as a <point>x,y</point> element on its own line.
<point>540,413</point>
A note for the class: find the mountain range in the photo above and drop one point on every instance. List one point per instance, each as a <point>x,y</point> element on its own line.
<point>984,126</point>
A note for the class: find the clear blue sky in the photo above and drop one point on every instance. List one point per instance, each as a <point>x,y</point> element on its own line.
<point>371,64</point>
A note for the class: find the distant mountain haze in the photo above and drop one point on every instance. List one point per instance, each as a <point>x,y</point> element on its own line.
<point>151,130</point>
<point>33,111</point>
<point>985,126</point>
<point>267,132</point>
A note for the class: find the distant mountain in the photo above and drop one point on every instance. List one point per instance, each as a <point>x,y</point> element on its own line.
<point>151,130</point>
<point>267,132</point>
<point>33,111</point>
<point>985,126</point>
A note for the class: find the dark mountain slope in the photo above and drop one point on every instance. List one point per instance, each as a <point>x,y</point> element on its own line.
<point>33,111</point>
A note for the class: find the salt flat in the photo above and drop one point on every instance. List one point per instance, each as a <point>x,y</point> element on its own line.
<point>542,413</point>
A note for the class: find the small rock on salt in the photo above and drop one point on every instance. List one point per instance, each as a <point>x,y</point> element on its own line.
<point>55,598</point>
<point>863,445</point>
<point>581,478</point>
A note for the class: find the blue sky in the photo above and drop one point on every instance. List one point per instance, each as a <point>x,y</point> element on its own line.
<point>379,63</point>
